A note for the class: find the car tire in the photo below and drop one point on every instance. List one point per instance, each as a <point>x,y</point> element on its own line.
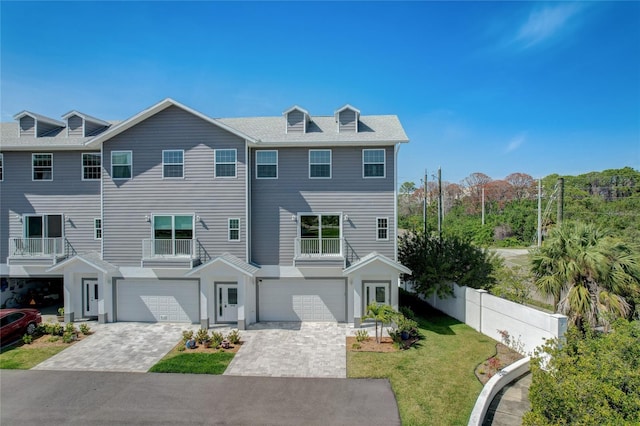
<point>31,328</point>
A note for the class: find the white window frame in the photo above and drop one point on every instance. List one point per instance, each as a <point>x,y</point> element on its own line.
<point>120,165</point>
<point>173,164</point>
<point>321,164</point>
<point>83,166</point>
<point>384,164</point>
<point>97,227</point>
<point>235,164</point>
<point>229,229</point>
<point>1,167</point>
<point>266,164</point>
<point>380,228</point>
<point>33,157</point>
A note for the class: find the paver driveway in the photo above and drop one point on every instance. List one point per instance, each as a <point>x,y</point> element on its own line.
<point>290,349</point>
<point>120,346</point>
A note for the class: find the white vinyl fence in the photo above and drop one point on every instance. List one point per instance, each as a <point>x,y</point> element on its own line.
<point>527,328</point>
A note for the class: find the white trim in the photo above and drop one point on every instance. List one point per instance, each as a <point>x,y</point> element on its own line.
<point>33,179</point>
<point>95,228</point>
<point>247,201</point>
<point>395,205</point>
<point>320,164</point>
<point>1,166</point>
<point>384,163</point>
<point>215,164</point>
<point>173,164</point>
<point>82,166</point>
<point>229,229</point>
<point>130,165</point>
<point>102,173</point>
<point>378,228</point>
<point>258,164</point>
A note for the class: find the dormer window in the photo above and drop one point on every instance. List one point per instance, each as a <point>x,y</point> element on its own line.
<point>36,125</point>
<point>347,119</point>
<point>83,125</point>
<point>297,119</point>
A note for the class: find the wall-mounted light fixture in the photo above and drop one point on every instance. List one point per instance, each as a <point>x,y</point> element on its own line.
<point>197,218</point>
<point>19,218</point>
<point>345,217</point>
<point>147,219</point>
<point>293,217</point>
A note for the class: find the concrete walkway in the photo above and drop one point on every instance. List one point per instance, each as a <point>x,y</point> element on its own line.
<point>510,404</point>
<point>292,349</point>
<point>121,346</point>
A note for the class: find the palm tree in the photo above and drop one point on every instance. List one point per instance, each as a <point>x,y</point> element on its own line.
<point>587,272</point>
<point>379,313</point>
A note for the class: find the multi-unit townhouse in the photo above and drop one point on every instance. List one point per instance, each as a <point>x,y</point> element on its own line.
<point>172,215</point>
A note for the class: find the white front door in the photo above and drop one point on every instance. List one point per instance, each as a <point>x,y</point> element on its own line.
<point>227,298</point>
<point>376,292</point>
<point>90,298</point>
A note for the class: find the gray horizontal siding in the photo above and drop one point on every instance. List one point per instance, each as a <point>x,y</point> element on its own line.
<point>295,122</point>
<point>347,120</point>
<point>67,194</point>
<point>126,203</point>
<point>74,126</point>
<point>275,201</point>
<point>27,126</point>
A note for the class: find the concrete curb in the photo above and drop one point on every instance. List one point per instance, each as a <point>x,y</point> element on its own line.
<point>495,385</point>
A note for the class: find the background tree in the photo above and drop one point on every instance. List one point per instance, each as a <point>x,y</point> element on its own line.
<point>524,186</point>
<point>436,264</point>
<point>588,273</point>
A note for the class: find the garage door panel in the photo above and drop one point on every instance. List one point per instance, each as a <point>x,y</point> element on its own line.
<point>302,300</point>
<point>158,301</point>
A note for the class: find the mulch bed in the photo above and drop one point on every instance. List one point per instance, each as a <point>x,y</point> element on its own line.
<point>504,356</point>
<point>201,349</point>
<point>370,345</point>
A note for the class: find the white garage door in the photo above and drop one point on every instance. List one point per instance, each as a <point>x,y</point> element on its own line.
<point>158,301</point>
<point>302,300</point>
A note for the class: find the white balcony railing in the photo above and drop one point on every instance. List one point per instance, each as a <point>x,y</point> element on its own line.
<point>318,247</point>
<point>168,248</point>
<point>36,247</point>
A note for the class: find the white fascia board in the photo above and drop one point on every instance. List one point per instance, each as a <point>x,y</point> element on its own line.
<point>86,117</point>
<point>39,117</point>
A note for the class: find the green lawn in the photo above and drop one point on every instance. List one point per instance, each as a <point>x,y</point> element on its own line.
<point>193,363</point>
<point>24,357</point>
<point>435,382</point>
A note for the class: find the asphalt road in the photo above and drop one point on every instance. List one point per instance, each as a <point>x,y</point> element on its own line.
<point>95,398</point>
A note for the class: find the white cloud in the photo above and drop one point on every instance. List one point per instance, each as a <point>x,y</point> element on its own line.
<point>515,142</point>
<point>546,23</point>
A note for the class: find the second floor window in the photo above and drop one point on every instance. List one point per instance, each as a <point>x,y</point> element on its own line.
<point>373,163</point>
<point>267,164</point>
<point>121,165</point>
<point>97,228</point>
<point>225,163</point>
<point>91,166</point>
<point>320,163</point>
<point>382,228</point>
<point>173,163</point>
<point>234,229</point>
<point>42,165</point>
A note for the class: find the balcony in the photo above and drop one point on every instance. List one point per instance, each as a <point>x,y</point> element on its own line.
<point>319,252</point>
<point>170,253</point>
<point>36,251</point>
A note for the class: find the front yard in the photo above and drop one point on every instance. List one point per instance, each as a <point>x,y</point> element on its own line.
<point>434,381</point>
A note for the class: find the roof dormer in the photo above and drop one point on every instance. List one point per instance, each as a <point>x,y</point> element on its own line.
<point>36,125</point>
<point>83,125</point>
<point>297,119</point>
<point>347,119</point>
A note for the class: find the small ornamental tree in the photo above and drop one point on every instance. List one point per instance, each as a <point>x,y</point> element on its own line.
<point>590,379</point>
<point>380,313</point>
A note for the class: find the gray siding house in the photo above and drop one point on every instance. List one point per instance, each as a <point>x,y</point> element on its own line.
<point>175,216</point>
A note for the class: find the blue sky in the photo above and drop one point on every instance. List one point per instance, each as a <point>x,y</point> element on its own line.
<point>491,87</point>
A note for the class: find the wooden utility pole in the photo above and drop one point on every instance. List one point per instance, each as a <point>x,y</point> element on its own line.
<point>560,201</point>
<point>440,204</point>
<point>539,212</point>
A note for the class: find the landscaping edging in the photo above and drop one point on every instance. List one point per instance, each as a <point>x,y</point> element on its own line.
<point>495,385</point>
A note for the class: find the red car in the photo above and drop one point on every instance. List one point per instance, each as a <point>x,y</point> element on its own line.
<point>14,323</point>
